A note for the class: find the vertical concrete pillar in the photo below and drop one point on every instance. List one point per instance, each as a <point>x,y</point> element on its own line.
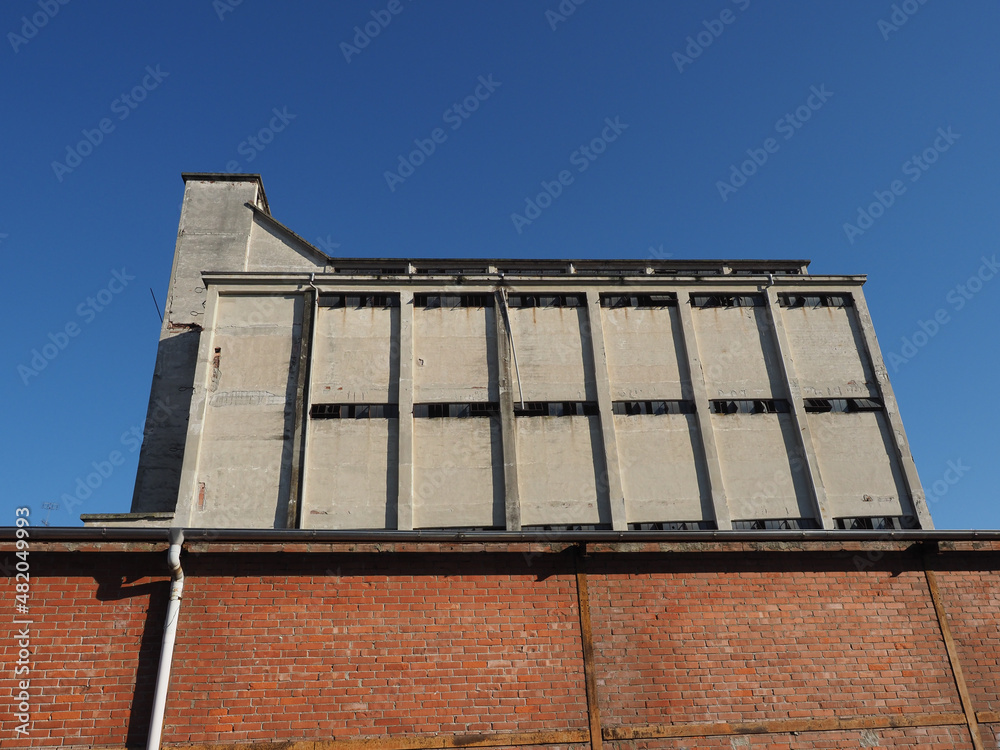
<point>404,500</point>
<point>187,494</point>
<point>909,468</point>
<point>699,389</point>
<point>616,496</point>
<point>505,380</point>
<point>214,234</point>
<point>798,410</point>
<point>296,491</point>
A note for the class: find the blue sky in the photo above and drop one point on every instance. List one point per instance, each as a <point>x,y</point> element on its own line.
<point>849,93</point>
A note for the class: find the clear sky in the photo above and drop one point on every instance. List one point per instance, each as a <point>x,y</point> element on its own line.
<point>850,103</point>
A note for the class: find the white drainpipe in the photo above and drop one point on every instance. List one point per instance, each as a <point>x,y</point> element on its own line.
<point>169,635</point>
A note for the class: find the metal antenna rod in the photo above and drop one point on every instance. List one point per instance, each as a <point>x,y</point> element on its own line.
<point>155,303</point>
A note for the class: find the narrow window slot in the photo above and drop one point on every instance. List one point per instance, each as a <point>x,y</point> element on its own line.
<point>750,406</point>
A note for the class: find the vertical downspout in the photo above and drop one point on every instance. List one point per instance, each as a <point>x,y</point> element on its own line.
<point>169,636</point>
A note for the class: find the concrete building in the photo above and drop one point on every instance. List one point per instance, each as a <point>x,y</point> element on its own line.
<point>327,430</point>
<point>295,390</point>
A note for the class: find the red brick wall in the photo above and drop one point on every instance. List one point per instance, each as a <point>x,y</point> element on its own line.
<point>279,646</point>
<point>972,599</point>
<point>412,644</point>
<point>95,638</point>
<point>780,637</point>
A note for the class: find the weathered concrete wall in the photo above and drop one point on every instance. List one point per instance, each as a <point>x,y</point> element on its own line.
<point>213,234</point>
<point>273,250</point>
<point>554,355</point>
<point>561,473</point>
<point>860,471</point>
<point>829,352</point>
<point>356,355</point>
<point>763,476</point>
<point>351,474</point>
<point>246,442</point>
<point>455,355</point>
<point>663,470</point>
<point>458,473</point>
<point>603,468</point>
<point>644,350</point>
<point>738,352</point>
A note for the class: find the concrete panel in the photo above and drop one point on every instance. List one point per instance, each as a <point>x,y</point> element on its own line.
<point>554,354</point>
<point>762,475</point>
<point>245,463</point>
<point>858,464</point>
<point>217,207</point>
<point>561,471</point>
<point>356,355</point>
<point>645,353</point>
<point>351,474</point>
<point>455,354</point>
<point>272,250</point>
<point>663,472</point>
<point>458,473</point>
<point>828,350</point>
<point>737,352</point>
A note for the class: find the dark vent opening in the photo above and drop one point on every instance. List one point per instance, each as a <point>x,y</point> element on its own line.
<point>633,408</point>
<point>545,300</point>
<point>354,411</point>
<point>674,526</point>
<point>750,406</point>
<point>456,410</point>
<point>431,301</point>
<point>775,524</point>
<point>358,300</point>
<point>877,523</point>
<point>556,409</point>
<point>841,405</point>
<point>727,300</point>
<point>815,300</point>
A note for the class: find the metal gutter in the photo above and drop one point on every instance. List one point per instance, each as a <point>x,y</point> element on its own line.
<point>106,534</point>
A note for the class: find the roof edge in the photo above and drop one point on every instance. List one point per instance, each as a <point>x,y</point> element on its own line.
<point>231,177</point>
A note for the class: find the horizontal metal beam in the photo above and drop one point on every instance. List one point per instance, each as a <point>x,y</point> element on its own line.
<point>781,726</point>
<point>421,742</point>
<point>157,534</point>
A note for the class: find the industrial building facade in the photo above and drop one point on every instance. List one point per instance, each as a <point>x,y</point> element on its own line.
<point>428,505</point>
<point>294,390</point>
